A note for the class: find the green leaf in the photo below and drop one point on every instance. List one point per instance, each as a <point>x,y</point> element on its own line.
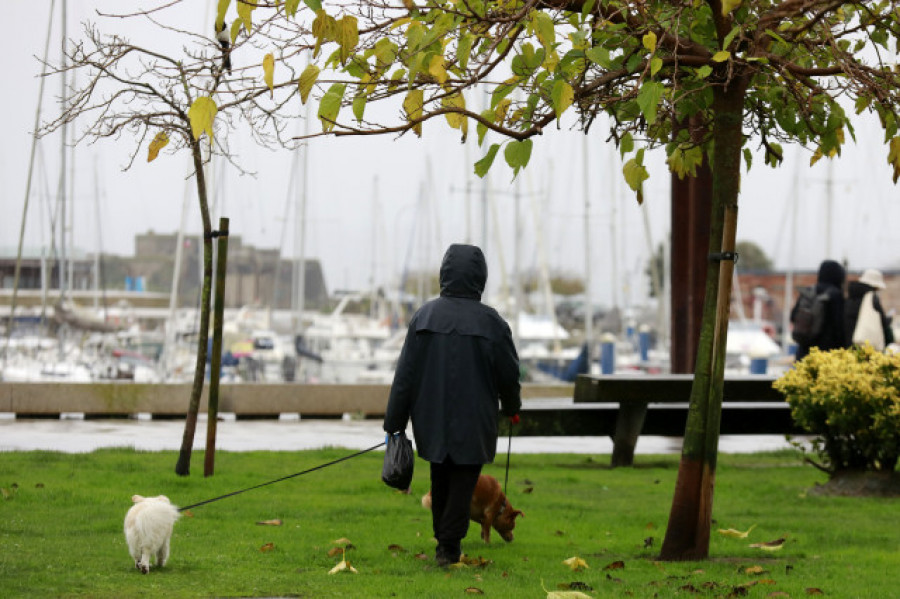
<point>648,99</point>
<point>655,65</point>
<point>748,158</point>
<point>484,165</point>
<point>635,175</point>
<point>314,5</point>
<point>600,56</point>
<point>330,106</point>
<point>704,71</point>
<point>626,144</point>
<point>245,14</point>
<point>728,38</point>
<point>464,49</point>
<point>359,106</point>
<point>562,96</point>
<point>721,56</point>
<point>684,161</point>
<point>544,28</point>
<point>517,154</point>
<point>307,80</point>
<point>586,9</point>
<point>290,7</point>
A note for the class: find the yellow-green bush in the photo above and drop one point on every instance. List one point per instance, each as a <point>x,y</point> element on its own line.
<point>850,399</point>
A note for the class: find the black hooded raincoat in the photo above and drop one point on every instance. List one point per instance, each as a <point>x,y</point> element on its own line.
<point>457,361</point>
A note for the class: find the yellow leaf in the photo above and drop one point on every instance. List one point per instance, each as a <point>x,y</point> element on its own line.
<point>564,594</point>
<point>343,541</point>
<point>220,13</point>
<point>201,114</point>
<point>649,41</point>
<point>437,70</point>
<point>267,547</point>
<point>269,71</point>
<point>245,13</point>
<point>721,56</point>
<point>235,30</point>
<point>455,119</point>
<point>728,6</point>
<point>158,143</point>
<point>412,104</point>
<point>575,563</point>
<point>307,80</point>
<point>754,570</point>
<point>343,566</point>
<point>736,534</point>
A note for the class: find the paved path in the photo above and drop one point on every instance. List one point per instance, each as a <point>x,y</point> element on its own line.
<point>74,435</point>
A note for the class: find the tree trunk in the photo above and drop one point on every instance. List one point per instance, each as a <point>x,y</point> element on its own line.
<point>687,534</point>
<point>183,466</point>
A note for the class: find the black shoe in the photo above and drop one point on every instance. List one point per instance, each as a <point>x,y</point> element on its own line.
<point>445,557</point>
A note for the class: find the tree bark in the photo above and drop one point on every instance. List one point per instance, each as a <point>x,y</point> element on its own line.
<point>687,533</point>
<point>183,466</point>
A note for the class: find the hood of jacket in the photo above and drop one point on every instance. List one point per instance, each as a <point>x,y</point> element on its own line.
<point>463,272</point>
<point>831,273</point>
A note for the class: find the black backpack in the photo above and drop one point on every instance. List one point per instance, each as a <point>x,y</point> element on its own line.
<point>808,316</point>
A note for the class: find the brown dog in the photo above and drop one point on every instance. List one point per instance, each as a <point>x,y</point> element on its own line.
<point>489,507</point>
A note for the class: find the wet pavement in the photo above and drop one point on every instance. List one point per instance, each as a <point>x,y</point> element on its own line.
<point>73,434</point>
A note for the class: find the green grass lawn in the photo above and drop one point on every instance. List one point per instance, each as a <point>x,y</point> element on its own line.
<point>61,530</point>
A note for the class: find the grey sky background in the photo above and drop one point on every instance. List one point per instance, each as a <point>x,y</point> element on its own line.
<point>366,216</point>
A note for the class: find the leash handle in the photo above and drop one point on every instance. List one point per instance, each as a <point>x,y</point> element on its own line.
<point>278,480</point>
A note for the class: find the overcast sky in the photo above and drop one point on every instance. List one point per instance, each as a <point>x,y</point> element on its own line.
<point>365,195</point>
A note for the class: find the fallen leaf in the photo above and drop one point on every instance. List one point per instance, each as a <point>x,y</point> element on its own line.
<point>477,562</point>
<point>187,514</point>
<point>770,545</point>
<point>267,547</point>
<point>648,542</point>
<point>421,556</point>
<point>474,591</point>
<point>343,566</point>
<point>814,591</point>
<point>6,493</point>
<point>754,570</point>
<point>564,594</point>
<point>275,522</point>
<point>334,551</point>
<point>397,548</point>
<point>576,563</point>
<point>39,486</point>
<point>736,534</point>
<point>778,594</point>
<point>343,541</point>
<point>527,490</point>
<point>617,565</point>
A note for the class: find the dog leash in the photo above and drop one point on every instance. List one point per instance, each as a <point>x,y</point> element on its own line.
<point>283,478</point>
<point>508,451</point>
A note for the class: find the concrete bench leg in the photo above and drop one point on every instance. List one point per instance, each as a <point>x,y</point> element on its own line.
<point>629,422</point>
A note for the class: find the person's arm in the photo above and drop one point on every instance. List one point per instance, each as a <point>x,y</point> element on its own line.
<point>507,361</point>
<point>396,414</point>
<point>885,320</point>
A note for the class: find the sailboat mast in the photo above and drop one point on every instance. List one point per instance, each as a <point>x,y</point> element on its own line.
<point>61,198</point>
<point>588,296</point>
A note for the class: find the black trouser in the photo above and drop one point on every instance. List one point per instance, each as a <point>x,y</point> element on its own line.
<point>451,494</point>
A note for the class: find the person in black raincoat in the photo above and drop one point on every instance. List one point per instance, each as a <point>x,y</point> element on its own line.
<point>457,361</point>
<point>830,280</point>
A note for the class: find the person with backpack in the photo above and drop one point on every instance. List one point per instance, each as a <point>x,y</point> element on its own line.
<point>865,320</point>
<point>819,322</point>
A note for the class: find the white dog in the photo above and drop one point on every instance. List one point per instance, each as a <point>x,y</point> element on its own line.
<point>148,528</point>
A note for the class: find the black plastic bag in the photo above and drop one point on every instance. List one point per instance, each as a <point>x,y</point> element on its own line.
<point>398,462</point>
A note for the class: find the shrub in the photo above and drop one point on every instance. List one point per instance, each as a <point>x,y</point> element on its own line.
<point>850,399</point>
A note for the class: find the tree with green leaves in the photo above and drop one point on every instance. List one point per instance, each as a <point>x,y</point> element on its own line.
<point>704,80</point>
<point>165,102</point>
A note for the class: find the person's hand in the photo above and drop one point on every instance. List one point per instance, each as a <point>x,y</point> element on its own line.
<point>514,419</point>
